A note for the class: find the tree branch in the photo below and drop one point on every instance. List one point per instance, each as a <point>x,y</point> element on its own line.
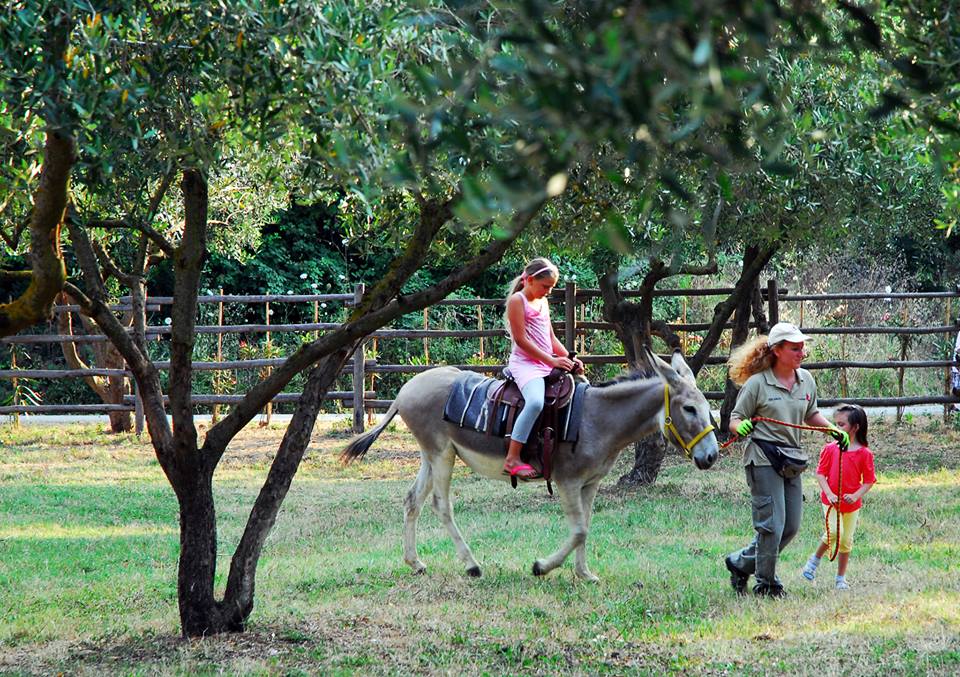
<point>187,265</point>
<point>755,260</point>
<point>163,243</point>
<point>355,330</point>
<point>94,304</point>
<point>47,266</point>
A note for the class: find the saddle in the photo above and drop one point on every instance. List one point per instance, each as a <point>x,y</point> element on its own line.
<point>490,407</point>
<point>507,400</point>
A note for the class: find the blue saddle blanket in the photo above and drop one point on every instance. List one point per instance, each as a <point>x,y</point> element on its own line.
<point>469,406</point>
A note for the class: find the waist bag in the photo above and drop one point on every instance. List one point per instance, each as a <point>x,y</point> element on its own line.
<point>789,462</point>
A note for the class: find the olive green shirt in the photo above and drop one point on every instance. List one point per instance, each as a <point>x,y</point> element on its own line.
<point>764,395</point>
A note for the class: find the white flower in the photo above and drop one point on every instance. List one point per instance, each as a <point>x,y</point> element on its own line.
<point>289,292</point>
<point>323,305</point>
<point>314,285</point>
<point>271,311</point>
<point>303,276</point>
<point>167,321</point>
<point>342,277</point>
<point>887,289</point>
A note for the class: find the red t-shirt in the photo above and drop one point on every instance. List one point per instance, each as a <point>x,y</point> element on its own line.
<point>857,471</point>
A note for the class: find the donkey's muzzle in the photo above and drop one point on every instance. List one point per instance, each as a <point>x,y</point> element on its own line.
<point>705,459</point>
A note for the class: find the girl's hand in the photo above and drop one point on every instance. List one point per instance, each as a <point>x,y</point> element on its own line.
<point>842,438</point>
<point>578,365</point>
<point>850,498</point>
<point>563,362</point>
<point>831,497</point>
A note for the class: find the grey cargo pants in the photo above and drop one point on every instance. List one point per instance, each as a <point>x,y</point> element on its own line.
<point>777,507</point>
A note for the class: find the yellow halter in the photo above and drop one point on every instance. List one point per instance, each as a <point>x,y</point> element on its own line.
<point>668,424</point>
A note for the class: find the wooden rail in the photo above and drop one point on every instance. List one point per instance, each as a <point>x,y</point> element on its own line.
<point>570,329</point>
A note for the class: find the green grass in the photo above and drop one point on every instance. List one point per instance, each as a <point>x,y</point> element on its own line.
<point>88,546</point>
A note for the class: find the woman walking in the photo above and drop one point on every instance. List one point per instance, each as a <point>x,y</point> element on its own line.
<point>773,386</point>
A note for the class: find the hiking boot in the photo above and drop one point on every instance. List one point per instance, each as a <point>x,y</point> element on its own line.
<point>738,579</point>
<point>774,590</point>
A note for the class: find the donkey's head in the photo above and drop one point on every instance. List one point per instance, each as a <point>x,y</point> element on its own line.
<point>685,420</point>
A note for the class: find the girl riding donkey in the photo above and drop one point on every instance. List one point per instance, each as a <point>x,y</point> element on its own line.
<point>535,352</point>
<point>614,416</point>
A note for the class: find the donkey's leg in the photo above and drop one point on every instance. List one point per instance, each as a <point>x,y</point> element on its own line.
<point>587,496</point>
<point>570,498</point>
<point>412,506</point>
<point>441,469</point>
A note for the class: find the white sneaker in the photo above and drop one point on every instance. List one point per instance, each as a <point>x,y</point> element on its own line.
<point>842,584</point>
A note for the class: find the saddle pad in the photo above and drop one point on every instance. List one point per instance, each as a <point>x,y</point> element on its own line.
<point>468,406</point>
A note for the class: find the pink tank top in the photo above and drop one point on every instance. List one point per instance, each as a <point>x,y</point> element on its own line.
<point>522,365</point>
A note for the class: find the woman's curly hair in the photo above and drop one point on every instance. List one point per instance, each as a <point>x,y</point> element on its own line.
<point>750,358</point>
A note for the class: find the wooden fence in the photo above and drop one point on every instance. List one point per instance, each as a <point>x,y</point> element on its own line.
<point>570,328</point>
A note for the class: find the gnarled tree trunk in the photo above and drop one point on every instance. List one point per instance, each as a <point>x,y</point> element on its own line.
<point>650,452</point>
<point>110,389</point>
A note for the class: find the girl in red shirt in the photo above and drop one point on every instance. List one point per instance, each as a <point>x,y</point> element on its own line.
<point>858,477</point>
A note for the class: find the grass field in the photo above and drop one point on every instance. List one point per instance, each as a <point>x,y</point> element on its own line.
<point>88,548</point>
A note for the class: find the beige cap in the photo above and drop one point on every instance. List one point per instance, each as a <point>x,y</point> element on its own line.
<point>785,331</point>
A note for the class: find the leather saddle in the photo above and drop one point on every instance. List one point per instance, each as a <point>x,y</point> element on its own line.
<point>506,399</point>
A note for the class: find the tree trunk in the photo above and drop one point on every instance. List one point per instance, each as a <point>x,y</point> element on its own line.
<point>648,457</point>
<point>741,330</point>
<point>110,389</point>
<point>48,269</point>
<point>239,596</point>
<point>200,614</point>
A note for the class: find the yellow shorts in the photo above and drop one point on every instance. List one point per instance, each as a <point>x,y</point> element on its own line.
<point>848,526</point>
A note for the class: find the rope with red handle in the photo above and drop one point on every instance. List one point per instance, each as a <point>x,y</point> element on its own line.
<point>836,507</point>
<point>823,429</point>
<point>818,428</point>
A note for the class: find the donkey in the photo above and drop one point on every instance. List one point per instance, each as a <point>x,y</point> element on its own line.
<point>614,416</point>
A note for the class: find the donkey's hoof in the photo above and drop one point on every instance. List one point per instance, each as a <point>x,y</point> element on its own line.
<point>418,567</point>
<point>588,577</point>
<point>538,569</point>
<point>473,572</point>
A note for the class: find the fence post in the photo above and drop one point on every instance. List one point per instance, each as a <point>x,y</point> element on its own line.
<point>267,353</point>
<point>426,341</point>
<point>373,384</point>
<point>480,327</point>
<point>773,302</point>
<point>843,370</point>
<point>215,414</point>
<point>570,316</point>
<point>358,370</point>
<point>683,334</point>
<point>16,385</point>
<point>137,408</point>
<point>946,370</point>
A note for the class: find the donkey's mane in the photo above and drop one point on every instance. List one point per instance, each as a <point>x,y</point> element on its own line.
<point>634,374</point>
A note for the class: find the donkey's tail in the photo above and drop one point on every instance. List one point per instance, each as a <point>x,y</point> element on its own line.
<point>361,443</point>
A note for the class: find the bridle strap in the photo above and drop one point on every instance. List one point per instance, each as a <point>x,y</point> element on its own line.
<point>668,424</point>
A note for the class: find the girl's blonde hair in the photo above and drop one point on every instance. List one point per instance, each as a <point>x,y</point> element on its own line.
<point>750,358</point>
<point>536,268</point>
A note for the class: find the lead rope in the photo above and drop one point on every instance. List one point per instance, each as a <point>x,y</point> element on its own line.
<point>818,428</point>
<point>836,547</point>
<point>836,508</point>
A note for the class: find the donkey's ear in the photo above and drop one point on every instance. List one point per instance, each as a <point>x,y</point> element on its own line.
<point>681,367</point>
<point>664,370</point>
